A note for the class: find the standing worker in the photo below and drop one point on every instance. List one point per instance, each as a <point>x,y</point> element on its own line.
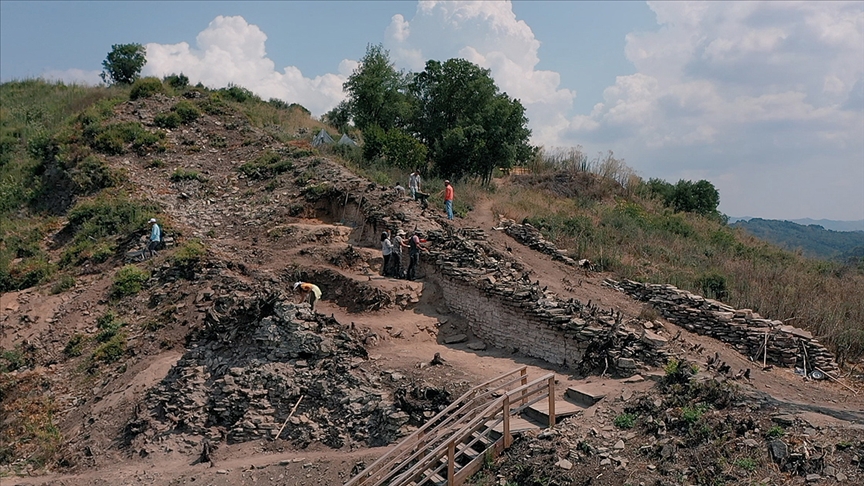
<point>448,199</point>
<point>396,256</point>
<point>155,237</point>
<point>386,252</point>
<point>414,183</point>
<point>307,290</point>
<point>414,253</point>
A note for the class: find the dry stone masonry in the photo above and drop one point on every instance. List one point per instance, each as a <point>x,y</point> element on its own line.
<point>506,310</point>
<point>743,329</point>
<point>531,237</point>
<point>256,357</point>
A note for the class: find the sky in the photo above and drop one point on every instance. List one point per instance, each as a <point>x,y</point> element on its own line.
<point>763,99</point>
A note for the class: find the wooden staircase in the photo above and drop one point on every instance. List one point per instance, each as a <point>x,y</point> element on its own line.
<point>454,444</point>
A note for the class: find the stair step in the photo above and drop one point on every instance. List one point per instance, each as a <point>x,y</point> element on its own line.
<point>520,425</point>
<point>585,396</point>
<point>540,411</point>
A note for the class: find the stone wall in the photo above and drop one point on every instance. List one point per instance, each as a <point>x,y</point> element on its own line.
<point>506,310</point>
<point>743,329</point>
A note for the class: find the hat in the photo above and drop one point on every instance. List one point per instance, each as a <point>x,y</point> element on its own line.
<point>152,220</point>
<point>446,182</point>
<point>400,233</point>
<point>297,284</point>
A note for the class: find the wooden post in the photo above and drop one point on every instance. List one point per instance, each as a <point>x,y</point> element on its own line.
<point>765,355</point>
<point>551,401</point>
<point>451,463</point>
<point>508,439</point>
<point>524,374</point>
<point>289,417</point>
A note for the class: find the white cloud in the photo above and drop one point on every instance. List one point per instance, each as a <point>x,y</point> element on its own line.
<point>230,50</point>
<point>489,35</point>
<point>73,76</point>
<point>726,89</point>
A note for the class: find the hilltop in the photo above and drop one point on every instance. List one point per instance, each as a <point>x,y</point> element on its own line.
<point>150,371</point>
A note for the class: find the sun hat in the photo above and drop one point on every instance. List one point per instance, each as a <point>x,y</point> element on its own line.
<point>446,182</point>
<point>297,284</point>
<point>152,220</point>
<point>400,233</point>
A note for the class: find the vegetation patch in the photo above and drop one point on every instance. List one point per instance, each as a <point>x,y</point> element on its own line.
<point>145,88</point>
<point>29,433</point>
<point>180,175</point>
<point>268,164</point>
<point>129,280</point>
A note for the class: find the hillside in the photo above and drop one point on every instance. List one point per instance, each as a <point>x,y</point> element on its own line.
<point>199,364</point>
<point>812,240</point>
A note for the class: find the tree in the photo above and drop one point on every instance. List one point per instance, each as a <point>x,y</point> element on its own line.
<point>338,117</point>
<point>376,91</point>
<point>469,127</point>
<point>123,64</point>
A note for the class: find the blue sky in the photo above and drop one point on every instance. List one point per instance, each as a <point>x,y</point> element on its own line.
<point>764,99</point>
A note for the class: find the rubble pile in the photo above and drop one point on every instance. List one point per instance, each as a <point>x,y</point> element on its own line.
<point>245,371</point>
<point>744,329</point>
<point>508,311</point>
<point>532,238</point>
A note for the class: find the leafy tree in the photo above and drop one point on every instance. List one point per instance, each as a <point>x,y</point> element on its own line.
<point>402,150</point>
<point>469,127</point>
<point>339,116</point>
<point>123,64</point>
<point>699,197</point>
<point>376,92</point>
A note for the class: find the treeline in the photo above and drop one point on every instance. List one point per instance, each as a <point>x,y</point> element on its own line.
<point>812,240</point>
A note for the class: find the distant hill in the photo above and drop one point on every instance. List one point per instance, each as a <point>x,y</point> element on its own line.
<point>830,224</point>
<point>813,240</point>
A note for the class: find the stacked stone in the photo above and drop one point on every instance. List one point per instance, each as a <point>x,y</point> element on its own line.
<point>532,238</point>
<point>241,376</point>
<point>743,329</point>
<point>507,310</point>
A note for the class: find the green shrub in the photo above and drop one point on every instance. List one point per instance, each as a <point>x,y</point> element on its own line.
<point>268,164</point>
<point>239,93</point>
<point>187,112</point>
<point>63,284</point>
<point>93,174</point>
<point>155,164</point>
<point>109,215</point>
<point>87,250</point>
<point>145,88</point>
<point>190,253</point>
<point>11,360</point>
<point>25,273</point>
<point>113,139</point>
<point>625,421</point>
<point>74,346</point>
<point>176,81</point>
<point>180,175</point>
<point>713,286</point>
<point>691,414</point>
<point>111,350</point>
<point>108,326</point>
<point>167,120</point>
<point>129,280</point>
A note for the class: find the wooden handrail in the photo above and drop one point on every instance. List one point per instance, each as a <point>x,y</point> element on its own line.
<point>490,412</point>
<point>447,415</point>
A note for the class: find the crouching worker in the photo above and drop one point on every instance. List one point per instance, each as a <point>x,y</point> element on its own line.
<point>307,291</point>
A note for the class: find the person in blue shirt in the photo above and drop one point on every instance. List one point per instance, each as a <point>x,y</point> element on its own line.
<point>155,237</point>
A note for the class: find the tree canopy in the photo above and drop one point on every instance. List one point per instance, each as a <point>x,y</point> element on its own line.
<point>452,109</point>
<point>123,64</point>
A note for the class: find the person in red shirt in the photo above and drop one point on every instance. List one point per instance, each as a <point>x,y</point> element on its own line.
<point>448,199</point>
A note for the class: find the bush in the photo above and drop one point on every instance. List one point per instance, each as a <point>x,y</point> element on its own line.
<point>691,414</point>
<point>145,88</point>
<point>11,360</point>
<point>26,273</point>
<point>176,81</point>
<point>187,112</point>
<point>129,280</point>
<point>268,164</point>
<point>111,350</point>
<point>108,326</point>
<point>113,139</point>
<point>74,346</point>
<point>93,174</point>
<point>239,93</point>
<point>108,215</point>
<point>167,120</point>
<point>190,253</point>
<point>775,432</point>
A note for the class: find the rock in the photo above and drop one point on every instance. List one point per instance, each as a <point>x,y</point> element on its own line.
<point>627,394</point>
<point>455,338</point>
<point>784,420</point>
<point>778,450</point>
<point>619,446</point>
<point>627,363</point>
<point>840,477</point>
<point>812,478</point>
<point>477,346</point>
<point>634,379</point>
<point>606,462</point>
<point>653,339</point>
<point>564,464</point>
<point>751,443</point>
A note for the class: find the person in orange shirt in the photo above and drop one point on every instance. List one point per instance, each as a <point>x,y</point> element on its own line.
<point>448,199</point>
<point>308,291</point>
